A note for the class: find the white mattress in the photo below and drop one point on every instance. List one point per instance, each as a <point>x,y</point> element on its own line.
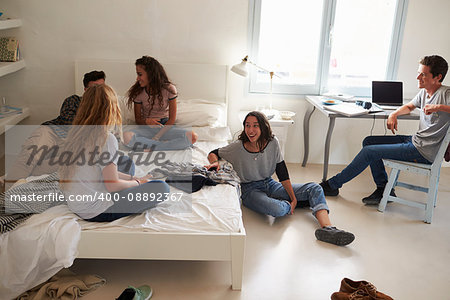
<point>212,209</point>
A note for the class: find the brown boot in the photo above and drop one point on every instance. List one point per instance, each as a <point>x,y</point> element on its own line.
<point>350,286</point>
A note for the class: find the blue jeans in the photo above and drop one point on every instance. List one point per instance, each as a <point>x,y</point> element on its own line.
<point>270,198</point>
<point>126,165</point>
<point>174,139</point>
<point>123,206</point>
<point>375,148</point>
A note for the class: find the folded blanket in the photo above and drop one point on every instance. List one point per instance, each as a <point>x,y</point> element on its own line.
<point>65,285</point>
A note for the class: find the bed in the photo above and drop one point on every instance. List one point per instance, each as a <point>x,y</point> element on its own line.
<point>210,230</point>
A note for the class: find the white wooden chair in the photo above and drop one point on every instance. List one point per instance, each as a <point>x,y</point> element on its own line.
<point>432,171</point>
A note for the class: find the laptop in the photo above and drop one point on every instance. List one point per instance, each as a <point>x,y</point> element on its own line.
<point>387,94</point>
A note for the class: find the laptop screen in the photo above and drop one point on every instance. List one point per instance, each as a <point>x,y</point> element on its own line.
<point>387,92</point>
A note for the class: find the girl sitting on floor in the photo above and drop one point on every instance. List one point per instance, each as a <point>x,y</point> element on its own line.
<point>255,156</point>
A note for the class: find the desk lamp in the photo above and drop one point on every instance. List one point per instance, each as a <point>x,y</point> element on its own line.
<point>241,69</point>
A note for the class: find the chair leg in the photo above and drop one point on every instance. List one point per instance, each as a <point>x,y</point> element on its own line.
<point>437,184</point>
<point>393,177</point>
<point>431,197</point>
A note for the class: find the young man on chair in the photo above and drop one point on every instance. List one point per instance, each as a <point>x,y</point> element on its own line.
<point>433,101</point>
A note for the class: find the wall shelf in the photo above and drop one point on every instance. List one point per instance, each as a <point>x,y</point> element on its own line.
<point>10,67</point>
<point>11,23</point>
<point>14,119</point>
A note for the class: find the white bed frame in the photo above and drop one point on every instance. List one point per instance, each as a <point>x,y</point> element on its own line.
<point>193,81</point>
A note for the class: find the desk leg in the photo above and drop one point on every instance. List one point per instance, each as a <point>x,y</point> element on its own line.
<point>306,119</point>
<point>326,155</point>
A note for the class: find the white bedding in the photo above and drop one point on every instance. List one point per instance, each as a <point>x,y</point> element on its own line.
<point>47,242</point>
<point>37,249</point>
<point>214,208</point>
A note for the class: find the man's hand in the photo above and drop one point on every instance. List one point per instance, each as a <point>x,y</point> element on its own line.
<point>392,122</point>
<point>430,108</point>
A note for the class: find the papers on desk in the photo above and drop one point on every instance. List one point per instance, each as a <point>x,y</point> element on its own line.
<point>347,109</point>
<point>342,97</point>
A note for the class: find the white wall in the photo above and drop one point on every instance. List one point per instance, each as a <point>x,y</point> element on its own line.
<point>57,32</point>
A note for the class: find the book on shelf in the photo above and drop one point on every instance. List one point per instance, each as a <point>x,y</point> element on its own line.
<point>9,49</point>
<point>7,111</point>
<point>347,109</point>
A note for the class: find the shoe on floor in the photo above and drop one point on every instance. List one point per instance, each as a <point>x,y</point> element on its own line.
<point>334,236</point>
<point>327,190</point>
<point>376,196</point>
<point>363,289</point>
<point>358,295</point>
<point>141,293</point>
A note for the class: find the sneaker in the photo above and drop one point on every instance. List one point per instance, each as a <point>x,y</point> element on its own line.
<point>376,196</point>
<point>141,293</point>
<point>327,190</point>
<point>334,236</point>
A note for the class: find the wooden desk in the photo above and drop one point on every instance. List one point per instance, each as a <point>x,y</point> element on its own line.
<point>316,103</point>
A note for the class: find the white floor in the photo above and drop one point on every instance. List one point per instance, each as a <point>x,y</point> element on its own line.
<point>402,256</point>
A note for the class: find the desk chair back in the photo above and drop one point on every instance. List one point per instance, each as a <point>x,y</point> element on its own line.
<point>433,173</point>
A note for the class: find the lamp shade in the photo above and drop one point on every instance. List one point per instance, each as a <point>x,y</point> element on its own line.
<point>240,69</point>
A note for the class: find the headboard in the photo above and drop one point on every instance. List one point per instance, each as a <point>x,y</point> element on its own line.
<point>193,81</point>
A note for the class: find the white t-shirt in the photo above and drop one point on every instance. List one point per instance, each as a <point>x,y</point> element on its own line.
<point>87,195</point>
<point>432,127</point>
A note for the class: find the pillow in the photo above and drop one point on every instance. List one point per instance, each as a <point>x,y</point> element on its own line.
<point>219,134</point>
<point>127,113</point>
<point>193,112</point>
<point>200,112</point>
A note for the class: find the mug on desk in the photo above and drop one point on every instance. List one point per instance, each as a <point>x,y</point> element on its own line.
<point>3,106</point>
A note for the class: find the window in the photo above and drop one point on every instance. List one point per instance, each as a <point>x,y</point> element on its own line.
<point>324,46</point>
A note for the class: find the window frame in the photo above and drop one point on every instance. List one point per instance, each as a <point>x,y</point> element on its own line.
<point>320,85</point>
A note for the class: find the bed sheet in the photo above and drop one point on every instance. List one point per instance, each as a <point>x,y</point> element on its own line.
<point>37,249</point>
<point>212,209</point>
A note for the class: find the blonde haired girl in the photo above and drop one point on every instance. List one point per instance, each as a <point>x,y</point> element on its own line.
<point>94,188</point>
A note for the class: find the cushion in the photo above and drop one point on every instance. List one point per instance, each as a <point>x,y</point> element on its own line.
<point>207,133</point>
<point>193,113</point>
<point>200,112</point>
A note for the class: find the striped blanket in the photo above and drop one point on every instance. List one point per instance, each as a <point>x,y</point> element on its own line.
<point>20,202</point>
